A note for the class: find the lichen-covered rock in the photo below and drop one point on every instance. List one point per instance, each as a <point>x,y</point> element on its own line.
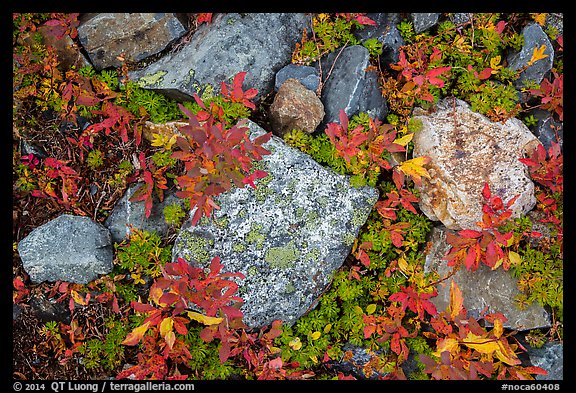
<point>107,36</point>
<point>127,215</point>
<point>295,107</point>
<point>257,43</point>
<point>484,290</point>
<point>550,357</point>
<point>466,150</point>
<point>68,248</point>
<point>287,236</point>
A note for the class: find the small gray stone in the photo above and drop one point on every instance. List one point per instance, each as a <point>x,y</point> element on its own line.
<point>106,36</point>
<point>68,248</point>
<point>549,357</point>
<point>306,75</point>
<point>534,38</point>
<point>459,18</point>
<point>423,21</point>
<point>547,130</point>
<point>484,290</point>
<point>128,214</point>
<point>287,236</point>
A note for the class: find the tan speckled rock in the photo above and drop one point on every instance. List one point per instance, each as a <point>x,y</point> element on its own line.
<point>466,150</point>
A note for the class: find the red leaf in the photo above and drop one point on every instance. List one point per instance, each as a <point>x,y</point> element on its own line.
<point>258,174</point>
<point>486,191</point>
<point>469,234</point>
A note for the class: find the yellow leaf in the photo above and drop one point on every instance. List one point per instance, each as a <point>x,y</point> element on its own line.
<point>538,54</point>
<point>370,308</point>
<point>539,18</point>
<point>77,298</point>
<point>162,140</point>
<point>498,328</point>
<point>315,335</point>
<point>170,338</point>
<point>204,319</point>
<point>498,263</point>
<point>295,344</point>
<point>495,64</point>
<point>136,335</point>
<point>506,354</point>
<point>327,328</point>
<point>481,344</point>
<point>403,141</point>
<point>166,326</point>
<point>403,265</point>
<point>314,358</point>
<point>456,300</point>
<point>515,258</point>
<point>446,344</point>
<point>415,168</point>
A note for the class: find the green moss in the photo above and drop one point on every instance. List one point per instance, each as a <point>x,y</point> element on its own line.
<point>282,257</point>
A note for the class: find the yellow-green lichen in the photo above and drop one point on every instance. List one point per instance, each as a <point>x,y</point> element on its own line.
<point>282,257</point>
<point>312,255</point>
<point>290,288</point>
<point>254,236</point>
<point>151,79</point>
<point>348,239</point>
<point>359,216</point>
<point>239,247</point>
<point>195,247</point>
<point>312,220</point>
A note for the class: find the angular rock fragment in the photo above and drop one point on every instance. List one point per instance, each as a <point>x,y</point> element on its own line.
<point>287,236</point>
<point>135,36</point>
<point>466,150</point>
<point>68,248</point>
<point>306,75</point>
<point>484,290</point>
<point>386,33</point>
<point>422,21</point>
<point>295,107</point>
<point>349,86</point>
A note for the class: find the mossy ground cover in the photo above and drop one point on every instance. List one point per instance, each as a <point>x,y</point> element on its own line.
<point>76,144</point>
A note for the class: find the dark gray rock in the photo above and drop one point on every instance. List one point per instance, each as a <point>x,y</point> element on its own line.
<point>306,75</point>
<point>257,43</point>
<point>556,20</point>
<point>46,309</point>
<point>483,290</point>
<point>349,86</point>
<point>547,130</point>
<point>287,236</point>
<point>295,107</point>
<point>386,33</point>
<point>459,18</point>
<point>128,214</point>
<point>68,248</point>
<point>423,21</point>
<point>16,312</point>
<point>534,38</point>
<point>550,357</point>
<point>106,36</point>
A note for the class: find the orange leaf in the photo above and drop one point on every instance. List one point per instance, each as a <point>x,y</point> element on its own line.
<point>456,300</point>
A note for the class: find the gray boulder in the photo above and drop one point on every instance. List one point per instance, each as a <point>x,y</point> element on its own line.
<point>128,214</point>
<point>68,248</point>
<point>484,290</point>
<point>349,86</point>
<point>534,38</point>
<point>550,357</point>
<point>136,35</point>
<point>466,150</point>
<point>287,236</point>
<point>257,43</point>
